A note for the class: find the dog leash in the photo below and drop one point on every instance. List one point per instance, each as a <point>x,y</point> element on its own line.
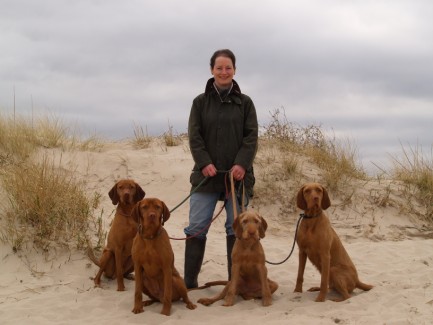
<point>301,216</point>
<point>232,189</point>
<point>196,188</point>
<point>213,218</point>
<point>193,190</point>
<point>204,228</point>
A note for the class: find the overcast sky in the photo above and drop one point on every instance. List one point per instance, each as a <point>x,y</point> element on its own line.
<point>361,69</point>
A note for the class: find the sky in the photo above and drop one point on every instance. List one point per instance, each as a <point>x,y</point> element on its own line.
<point>361,70</point>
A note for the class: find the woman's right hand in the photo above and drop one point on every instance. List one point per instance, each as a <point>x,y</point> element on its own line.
<point>209,170</point>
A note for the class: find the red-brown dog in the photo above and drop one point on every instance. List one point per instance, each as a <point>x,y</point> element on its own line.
<point>249,275</point>
<point>318,241</point>
<point>116,261</point>
<point>155,274</point>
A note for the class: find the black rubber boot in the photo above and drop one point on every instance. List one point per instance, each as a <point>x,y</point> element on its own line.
<point>194,253</point>
<point>230,243</point>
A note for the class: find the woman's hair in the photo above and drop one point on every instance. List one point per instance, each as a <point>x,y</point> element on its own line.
<point>224,52</point>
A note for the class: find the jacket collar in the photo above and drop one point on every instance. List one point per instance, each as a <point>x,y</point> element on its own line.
<point>210,88</point>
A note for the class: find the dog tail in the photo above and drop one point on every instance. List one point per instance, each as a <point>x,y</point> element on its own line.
<point>363,286</point>
<point>210,284</point>
<point>91,254</point>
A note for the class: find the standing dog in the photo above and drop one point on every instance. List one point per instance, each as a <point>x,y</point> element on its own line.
<point>318,241</point>
<point>249,276</point>
<point>155,274</point>
<point>116,261</point>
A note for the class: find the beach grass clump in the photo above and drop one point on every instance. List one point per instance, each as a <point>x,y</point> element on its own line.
<point>338,160</point>
<point>17,139</point>
<point>50,132</point>
<point>171,138</point>
<point>415,170</point>
<point>21,136</point>
<point>46,207</point>
<point>141,139</point>
<point>43,204</point>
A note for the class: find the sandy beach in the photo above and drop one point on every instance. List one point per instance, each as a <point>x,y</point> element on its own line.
<point>392,250</point>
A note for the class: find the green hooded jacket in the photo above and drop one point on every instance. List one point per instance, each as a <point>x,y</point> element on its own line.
<point>223,132</point>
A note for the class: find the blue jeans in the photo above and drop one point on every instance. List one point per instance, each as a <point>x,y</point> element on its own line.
<point>201,212</point>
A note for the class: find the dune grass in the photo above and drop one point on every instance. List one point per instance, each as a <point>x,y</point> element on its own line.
<point>338,160</point>
<point>141,139</point>
<point>47,206</point>
<point>171,138</point>
<point>415,170</point>
<point>287,154</point>
<point>291,154</point>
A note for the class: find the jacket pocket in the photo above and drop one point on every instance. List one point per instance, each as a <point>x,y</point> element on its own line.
<point>196,177</point>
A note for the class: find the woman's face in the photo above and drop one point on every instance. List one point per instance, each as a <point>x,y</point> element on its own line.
<point>223,72</point>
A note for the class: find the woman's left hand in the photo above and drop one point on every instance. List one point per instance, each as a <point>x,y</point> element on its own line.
<point>238,172</point>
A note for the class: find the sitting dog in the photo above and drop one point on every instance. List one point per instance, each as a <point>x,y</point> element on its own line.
<point>116,261</point>
<point>318,241</point>
<point>249,276</point>
<point>155,274</point>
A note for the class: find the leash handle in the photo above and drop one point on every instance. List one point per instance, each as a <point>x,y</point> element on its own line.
<point>232,189</point>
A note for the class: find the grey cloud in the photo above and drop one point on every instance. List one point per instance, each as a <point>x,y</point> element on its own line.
<point>360,68</point>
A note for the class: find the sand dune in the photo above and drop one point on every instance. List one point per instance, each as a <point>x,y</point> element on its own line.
<point>391,250</point>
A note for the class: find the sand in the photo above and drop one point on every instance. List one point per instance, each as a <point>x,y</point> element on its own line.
<point>392,251</point>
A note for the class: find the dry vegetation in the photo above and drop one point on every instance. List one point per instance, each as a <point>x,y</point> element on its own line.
<point>33,214</point>
<point>45,205</point>
<point>290,155</point>
<point>141,139</point>
<point>415,170</point>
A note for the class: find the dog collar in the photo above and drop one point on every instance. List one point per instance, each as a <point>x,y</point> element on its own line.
<point>140,232</point>
<point>303,215</point>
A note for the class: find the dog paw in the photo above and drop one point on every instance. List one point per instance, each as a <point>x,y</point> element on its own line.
<point>137,310</point>
<point>228,303</point>
<point>165,311</point>
<point>320,298</point>
<point>312,289</point>
<point>148,302</point>
<point>204,301</point>
<point>191,306</point>
<point>267,302</point>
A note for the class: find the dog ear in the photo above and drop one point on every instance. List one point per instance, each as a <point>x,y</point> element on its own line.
<point>113,195</point>
<point>300,200</point>
<point>165,213</point>
<point>139,193</point>
<point>135,213</point>
<point>326,202</point>
<point>237,227</point>
<point>263,227</point>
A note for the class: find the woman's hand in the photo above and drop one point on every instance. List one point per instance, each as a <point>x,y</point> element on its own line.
<point>238,172</point>
<point>209,170</point>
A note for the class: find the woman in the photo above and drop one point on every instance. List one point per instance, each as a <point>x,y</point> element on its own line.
<point>223,134</point>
